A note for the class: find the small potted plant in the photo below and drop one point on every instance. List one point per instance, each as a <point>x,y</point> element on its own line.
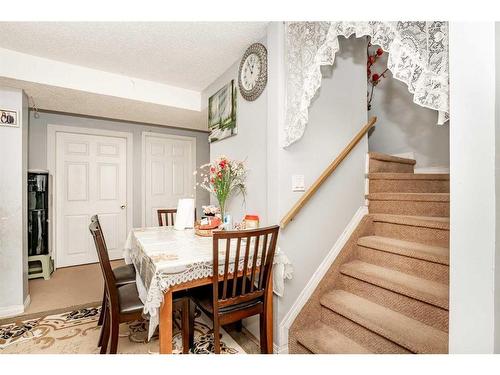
<point>224,178</point>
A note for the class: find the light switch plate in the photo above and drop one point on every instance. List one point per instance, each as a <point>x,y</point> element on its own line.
<point>298,183</point>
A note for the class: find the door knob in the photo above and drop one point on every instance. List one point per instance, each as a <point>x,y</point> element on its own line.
<point>123,206</point>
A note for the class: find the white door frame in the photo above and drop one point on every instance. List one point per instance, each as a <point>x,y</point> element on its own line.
<point>143,163</point>
<point>52,131</point>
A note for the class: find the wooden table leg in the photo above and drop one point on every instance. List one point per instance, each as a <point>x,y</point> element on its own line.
<point>165,329</point>
<point>269,317</point>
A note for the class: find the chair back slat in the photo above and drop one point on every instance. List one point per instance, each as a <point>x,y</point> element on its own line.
<point>102,253</point>
<point>245,266</point>
<point>167,213</point>
<point>254,279</point>
<point>263,260</point>
<point>226,268</point>
<point>236,264</point>
<point>254,263</point>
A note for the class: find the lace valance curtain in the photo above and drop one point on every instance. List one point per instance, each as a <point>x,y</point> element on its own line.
<point>418,56</point>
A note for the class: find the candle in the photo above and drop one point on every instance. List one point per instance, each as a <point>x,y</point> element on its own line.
<point>251,221</point>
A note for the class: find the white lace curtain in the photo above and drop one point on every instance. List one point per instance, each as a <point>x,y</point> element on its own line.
<point>418,56</point>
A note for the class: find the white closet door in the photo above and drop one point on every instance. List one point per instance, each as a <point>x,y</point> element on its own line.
<point>168,173</point>
<point>91,178</point>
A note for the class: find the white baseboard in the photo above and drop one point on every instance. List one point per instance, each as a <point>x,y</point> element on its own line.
<point>436,169</point>
<point>27,302</point>
<point>9,311</point>
<point>280,349</point>
<point>14,310</point>
<point>316,278</point>
<point>405,155</point>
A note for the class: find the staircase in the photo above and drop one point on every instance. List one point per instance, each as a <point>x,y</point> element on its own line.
<point>387,291</point>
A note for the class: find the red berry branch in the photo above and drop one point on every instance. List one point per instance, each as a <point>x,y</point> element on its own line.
<point>375,78</point>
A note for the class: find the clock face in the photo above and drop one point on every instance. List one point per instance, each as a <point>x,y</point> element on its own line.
<point>251,71</point>
<point>252,78</point>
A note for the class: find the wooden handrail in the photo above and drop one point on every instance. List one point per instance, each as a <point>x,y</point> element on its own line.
<point>326,173</point>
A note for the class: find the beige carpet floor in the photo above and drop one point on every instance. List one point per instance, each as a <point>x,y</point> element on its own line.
<point>68,287</point>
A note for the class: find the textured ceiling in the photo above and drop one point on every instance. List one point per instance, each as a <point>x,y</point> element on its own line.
<point>190,55</point>
<point>85,103</point>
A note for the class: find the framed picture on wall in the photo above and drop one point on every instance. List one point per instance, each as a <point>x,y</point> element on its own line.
<point>222,113</point>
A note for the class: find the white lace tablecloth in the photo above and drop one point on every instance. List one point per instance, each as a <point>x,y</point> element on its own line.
<point>164,257</point>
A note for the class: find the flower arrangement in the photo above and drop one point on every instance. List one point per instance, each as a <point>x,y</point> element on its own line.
<point>223,178</point>
<point>373,79</point>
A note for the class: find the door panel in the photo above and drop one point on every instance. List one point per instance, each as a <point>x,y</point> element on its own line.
<point>168,172</point>
<point>77,244</point>
<point>91,178</point>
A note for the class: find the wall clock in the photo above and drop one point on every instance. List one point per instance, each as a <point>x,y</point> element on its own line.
<point>252,76</point>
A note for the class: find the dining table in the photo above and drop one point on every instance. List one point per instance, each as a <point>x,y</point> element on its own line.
<point>168,260</point>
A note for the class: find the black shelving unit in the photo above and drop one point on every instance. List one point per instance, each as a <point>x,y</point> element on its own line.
<point>39,261</point>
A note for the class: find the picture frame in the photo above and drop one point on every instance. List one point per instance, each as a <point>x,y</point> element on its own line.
<point>222,113</point>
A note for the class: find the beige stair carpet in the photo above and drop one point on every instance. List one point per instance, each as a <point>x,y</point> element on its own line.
<point>387,291</point>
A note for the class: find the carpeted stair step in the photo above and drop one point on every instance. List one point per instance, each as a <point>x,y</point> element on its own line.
<point>409,183</point>
<point>406,332</point>
<point>430,230</point>
<point>387,163</point>
<point>424,290</point>
<point>428,314</point>
<point>419,204</point>
<point>425,261</point>
<point>370,340</point>
<point>320,338</point>
<point>435,254</point>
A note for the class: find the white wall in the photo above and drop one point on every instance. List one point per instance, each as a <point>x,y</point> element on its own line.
<point>250,144</point>
<point>474,230</point>
<point>497,187</point>
<point>13,206</point>
<point>38,147</point>
<point>404,126</point>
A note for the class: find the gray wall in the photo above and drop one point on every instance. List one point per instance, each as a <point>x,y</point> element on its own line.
<point>404,126</point>
<point>250,144</point>
<point>335,116</point>
<point>334,119</point>
<point>13,205</point>
<point>38,147</point>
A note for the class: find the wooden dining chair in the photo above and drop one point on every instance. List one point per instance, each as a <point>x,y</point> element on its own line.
<point>123,275</point>
<point>168,213</point>
<point>238,295</point>
<point>124,305</point>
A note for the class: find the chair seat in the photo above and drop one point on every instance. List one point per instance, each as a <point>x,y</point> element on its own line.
<point>203,297</point>
<point>129,300</point>
<point>124,274</point>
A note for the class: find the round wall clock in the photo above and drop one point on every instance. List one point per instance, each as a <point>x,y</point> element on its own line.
<point>252,76</point>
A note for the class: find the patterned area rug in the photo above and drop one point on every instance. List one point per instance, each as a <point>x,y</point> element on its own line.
<point>76,332</point>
